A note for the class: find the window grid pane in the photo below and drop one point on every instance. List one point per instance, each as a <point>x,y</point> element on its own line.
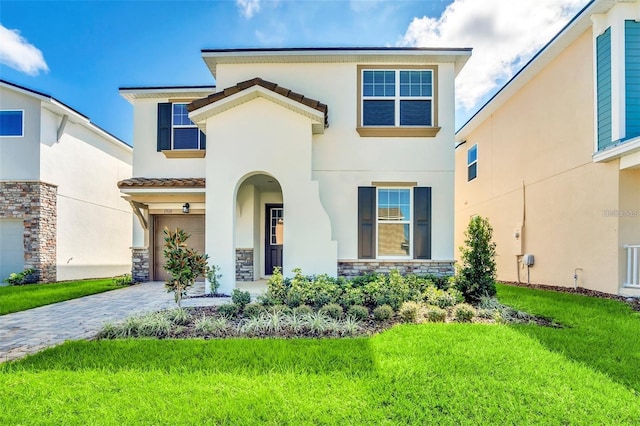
<point>379,83</point>
<point>181,115</point>
<point>416,83</point>
<point>10,123</point>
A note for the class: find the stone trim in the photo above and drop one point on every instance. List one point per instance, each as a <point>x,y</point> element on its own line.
<point>353,268</point>
<point>140,264</point>
<point>36,204</point>
<point>244,264</point>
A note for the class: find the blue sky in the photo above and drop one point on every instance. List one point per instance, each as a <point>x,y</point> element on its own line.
<point>81,52</point>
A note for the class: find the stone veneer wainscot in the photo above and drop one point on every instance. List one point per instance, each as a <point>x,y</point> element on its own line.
<point>36,204</point>
<point>354,268</point>
<point>140,264</point>
<point>244,264</point>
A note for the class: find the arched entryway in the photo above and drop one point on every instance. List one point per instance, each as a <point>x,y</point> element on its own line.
<point>259,227</point>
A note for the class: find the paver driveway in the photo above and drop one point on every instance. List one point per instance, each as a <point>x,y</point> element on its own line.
<point>29,331</point>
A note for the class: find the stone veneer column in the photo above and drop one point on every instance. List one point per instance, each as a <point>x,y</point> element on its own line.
<point>244,264</point>
<point>36,204</point>
<point>140,264</point>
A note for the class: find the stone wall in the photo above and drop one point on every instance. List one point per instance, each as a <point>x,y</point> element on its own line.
<point>140,264</point>
<point>244,264</point>
<point>36,204</point>
<point>354,268</point>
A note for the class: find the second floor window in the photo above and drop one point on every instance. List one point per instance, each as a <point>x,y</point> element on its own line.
<point>397,98</point>
<point>186,134</point>
<point>472,163</point>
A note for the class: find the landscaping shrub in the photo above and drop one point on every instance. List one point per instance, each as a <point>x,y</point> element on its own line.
<point>442,298</point>
<point>476,277</point>
<point>276,288</point>
<point>409,312</point>
<point>123,280</point>
<point>358,312</point>
<point>253,310</point>
<point>213,276</point>
<point>463,312</point>
<point>210,325</point>
<point>240,298</point>
<point>303,310</point>
<point>228,311</point>
<point>435,314</point>
<point>178,316</point>
<point>19,278</point>
<point>382,313</point>
<point>332,310</point>
<point>183,264</point>
<point>279,308</point>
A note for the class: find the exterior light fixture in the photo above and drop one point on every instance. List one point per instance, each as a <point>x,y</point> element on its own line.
<point>185,208</point>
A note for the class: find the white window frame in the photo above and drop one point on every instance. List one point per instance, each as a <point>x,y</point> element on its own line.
<point>397,98</point>
<point>182,126</point>
<point>22,123</point>
<point>469,164</point>
<point>403,222</point>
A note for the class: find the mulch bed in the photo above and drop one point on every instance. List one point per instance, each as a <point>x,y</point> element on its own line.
<point>633,302</point>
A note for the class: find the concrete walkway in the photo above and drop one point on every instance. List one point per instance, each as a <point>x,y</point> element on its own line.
<point>30,331</point>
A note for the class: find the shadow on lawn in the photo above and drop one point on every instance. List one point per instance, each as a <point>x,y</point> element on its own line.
<point>601,334</point>
<point>237,356</point>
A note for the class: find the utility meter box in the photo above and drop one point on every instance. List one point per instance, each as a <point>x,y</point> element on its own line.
<point>528,259</point>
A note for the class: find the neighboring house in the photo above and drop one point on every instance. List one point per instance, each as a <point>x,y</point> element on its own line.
<point>553,159</point>
<point>333,160</point>
<point>61,212</point>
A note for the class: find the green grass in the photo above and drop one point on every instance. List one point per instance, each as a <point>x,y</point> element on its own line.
<point>20,298</point>
<point>411,374</point>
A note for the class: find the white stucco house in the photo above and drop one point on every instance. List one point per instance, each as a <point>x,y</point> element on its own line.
<point>333,160</point>
<point>61,212</point>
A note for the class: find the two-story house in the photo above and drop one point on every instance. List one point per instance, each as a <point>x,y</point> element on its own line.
<point>553,159</point>
<point>332,160</point>
<point>61,212</point>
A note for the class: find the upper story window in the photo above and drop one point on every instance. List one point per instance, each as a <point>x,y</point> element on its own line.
<point>12,123</point>
<point>178,136</point>
<point>472,163</point>
<point>397,102</point>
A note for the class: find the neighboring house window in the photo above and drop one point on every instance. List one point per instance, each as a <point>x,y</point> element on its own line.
<point>394,99</point>
<point>176,131</point>
<point>394,222</point>
<point>603,90</point>
<point>11,123</point>
<point>472,163</point>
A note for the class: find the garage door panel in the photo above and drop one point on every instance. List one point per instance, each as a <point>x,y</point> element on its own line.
<point>11,247</point>
<point>192,224</point>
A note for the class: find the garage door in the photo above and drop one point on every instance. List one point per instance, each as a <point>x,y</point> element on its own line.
<point>193,224</point>
<point>11,247</point>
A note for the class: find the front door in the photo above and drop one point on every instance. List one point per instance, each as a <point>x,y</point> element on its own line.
<point>274,237</point>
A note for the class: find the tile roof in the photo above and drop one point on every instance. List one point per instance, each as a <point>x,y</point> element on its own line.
<point>312,103</point>
<point>162,183</point>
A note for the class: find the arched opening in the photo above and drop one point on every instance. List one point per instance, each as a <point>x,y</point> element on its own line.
<point>259,227</point>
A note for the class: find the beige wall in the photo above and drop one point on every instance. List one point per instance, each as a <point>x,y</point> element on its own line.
<point>535,157</point>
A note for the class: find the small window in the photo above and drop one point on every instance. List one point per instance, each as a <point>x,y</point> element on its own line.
<point>394,222</point>
<point>12,123</point>
<point>185,133</point>
<point>472,163</point>
<point>397,98</point>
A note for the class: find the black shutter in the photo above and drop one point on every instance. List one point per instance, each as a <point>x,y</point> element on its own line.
<point>366,222</point>
<point>203,141</point>
<point>421,223</point>
<point>164,126</point>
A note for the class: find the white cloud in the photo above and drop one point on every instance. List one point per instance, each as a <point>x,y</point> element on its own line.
<point>248,8</point>
<point>504,35</point>
<point>18,53</point>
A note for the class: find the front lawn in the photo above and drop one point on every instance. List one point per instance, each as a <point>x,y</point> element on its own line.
<point>411,374</point>
<point>20,298</point>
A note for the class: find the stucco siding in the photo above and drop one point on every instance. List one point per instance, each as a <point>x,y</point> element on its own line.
<point>20,156</point>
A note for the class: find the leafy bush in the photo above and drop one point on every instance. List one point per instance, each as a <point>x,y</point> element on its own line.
<point>276,288</point>
<point>435,314</point>
<point>228,311</point>
<point>240,298</point>
<point>463,312</point>
<point>210,325</point>
<point>476,277</point>
<point>213,276</point>
<point>279,308</point>
<point>382,313</point>
<point>19,278</point>
<point>253,310</point>
<point>358,312</point>
<point>332,310</point>
<point>442,298</point>
<point>409,312</point>
<point>123,280</point>
<point>183,264</point>
<point>303,310</point>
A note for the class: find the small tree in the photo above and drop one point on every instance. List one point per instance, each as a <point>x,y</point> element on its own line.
<point>184,264</point>
<point>476,277</point>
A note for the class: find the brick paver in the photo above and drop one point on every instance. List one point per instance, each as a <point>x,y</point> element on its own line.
<point>30,331</point>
